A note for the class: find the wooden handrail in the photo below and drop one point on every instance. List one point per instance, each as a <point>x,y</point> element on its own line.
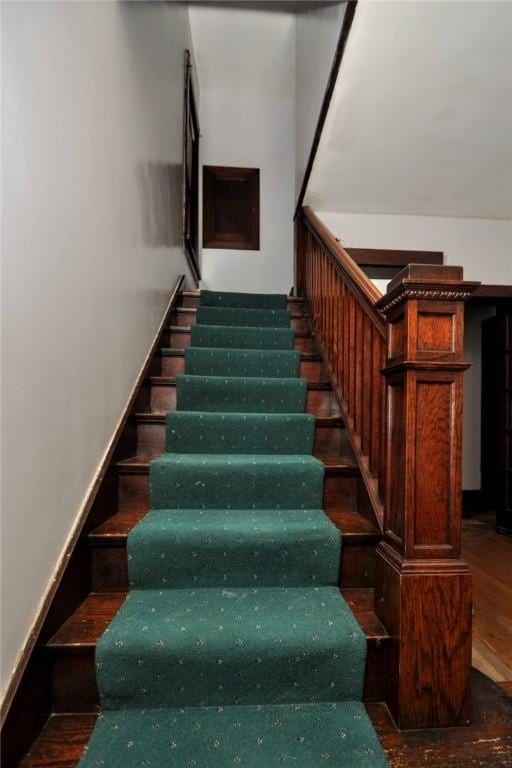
<point>352,332</point>
<point>396,362</point>
<point>367,292</point>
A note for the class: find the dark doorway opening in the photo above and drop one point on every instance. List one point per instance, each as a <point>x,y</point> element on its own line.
<point>496,454</point>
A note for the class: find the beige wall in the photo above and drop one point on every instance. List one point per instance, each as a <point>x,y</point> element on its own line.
<point>92,111</point>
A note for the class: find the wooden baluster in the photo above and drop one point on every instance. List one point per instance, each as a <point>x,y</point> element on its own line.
<point>367,385</point>
<point>352,354</point>
<point>358,367</point>
<point>423,588</point>
<point>341,330</point>
<point>346,338</point>
<point>337,326</point>
<point>377,412</point>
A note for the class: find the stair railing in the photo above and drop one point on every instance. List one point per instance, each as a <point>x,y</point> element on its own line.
<point>396,362</point>
<point>342,304</point>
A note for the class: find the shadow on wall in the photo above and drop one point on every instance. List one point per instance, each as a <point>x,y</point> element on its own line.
<point>160,203</point>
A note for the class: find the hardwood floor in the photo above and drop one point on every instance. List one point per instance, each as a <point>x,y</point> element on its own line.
<point>489,555</point>
<point>486,743</point>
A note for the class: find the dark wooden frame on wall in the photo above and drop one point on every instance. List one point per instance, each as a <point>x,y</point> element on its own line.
<point>190,187</point>
<point>226,225</point>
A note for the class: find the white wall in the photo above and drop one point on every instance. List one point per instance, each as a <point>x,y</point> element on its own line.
<point>245,59</point>
<point>92,130</point>
<point>317,33</point>
<point>421,117</point>
<point>482,246</point>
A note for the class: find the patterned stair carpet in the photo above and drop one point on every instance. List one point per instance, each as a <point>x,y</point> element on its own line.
<point>234,646</point>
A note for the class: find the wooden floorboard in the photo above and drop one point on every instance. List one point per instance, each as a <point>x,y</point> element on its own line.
<point>489,556</point>
<point>486,743</point>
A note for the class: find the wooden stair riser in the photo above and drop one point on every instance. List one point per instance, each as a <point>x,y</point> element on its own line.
<point>340,489</point>
<point>72,650</point>
<point>110,566</point>
<point>329,441</point>
<point>179,338</point>
<point>188,318</point>
<point>162,398</point>
<point>75,688</point>
<point>313,371</point>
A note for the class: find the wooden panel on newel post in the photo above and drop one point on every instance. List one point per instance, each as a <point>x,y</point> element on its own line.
<point>423,588</point>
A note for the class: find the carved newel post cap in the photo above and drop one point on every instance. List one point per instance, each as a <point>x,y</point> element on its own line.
<point>427,281</point>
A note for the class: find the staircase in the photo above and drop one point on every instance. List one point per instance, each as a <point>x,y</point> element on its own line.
<point>70,651</point>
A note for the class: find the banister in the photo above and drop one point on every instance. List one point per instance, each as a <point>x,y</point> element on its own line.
<point>367,292</point>
<point>400,394</point>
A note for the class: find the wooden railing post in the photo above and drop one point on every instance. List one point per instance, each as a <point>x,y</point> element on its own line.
<point>423,588</point>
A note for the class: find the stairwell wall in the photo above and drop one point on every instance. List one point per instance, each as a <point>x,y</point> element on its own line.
<point>91,247</point>
<point>245,60</point>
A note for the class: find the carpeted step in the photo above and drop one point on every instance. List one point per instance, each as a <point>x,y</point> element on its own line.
<point>219,481</point>
<point>269,363</point>
<point>240,337</point>
<point>220,647</point>
<point>247,300</point>
<point>299,735</point>
<point>273,433</point>
<point>233,548</point>
<point>273,318</point>
<point>239,394</point>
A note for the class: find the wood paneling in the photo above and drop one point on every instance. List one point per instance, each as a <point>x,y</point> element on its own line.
<point>231,208</point>
<point>423,588</point>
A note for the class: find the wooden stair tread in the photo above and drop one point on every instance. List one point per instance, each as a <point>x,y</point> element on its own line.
<point>195,294</point>
<point>188,329</point>
<point>115,530</point>
<point>83,628</point>
<point>193,311</point>
<point>81,631</point>
<point>139,465</point>
<point>61,742</point>
<point>170,381</point>
<point>309,357</point>
<point>159,418</point>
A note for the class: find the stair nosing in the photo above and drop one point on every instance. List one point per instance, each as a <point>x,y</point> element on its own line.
<point>140,466</point>
<point>160,418</point>
<point>197,293</point>
<point>188,329</point>
<point>170,381</point>
<point>305,357</point>
<point>193,311</point>
<point>54,646</point>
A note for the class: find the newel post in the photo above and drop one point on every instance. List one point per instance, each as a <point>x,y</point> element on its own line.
<point>423,588</point>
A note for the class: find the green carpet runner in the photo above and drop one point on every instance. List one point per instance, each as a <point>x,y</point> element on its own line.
<point>234,646</point>
<point>242,337</point>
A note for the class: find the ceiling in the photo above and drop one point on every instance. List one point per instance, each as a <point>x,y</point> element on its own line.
<point>420,122</point>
